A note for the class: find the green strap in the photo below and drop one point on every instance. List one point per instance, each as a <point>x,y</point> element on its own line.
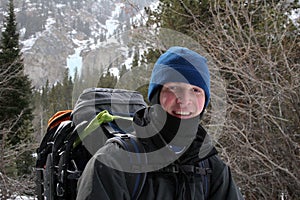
<point>103,117</point>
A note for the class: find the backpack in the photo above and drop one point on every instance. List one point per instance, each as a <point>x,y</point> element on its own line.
<point>64,150</point>
<point>67,145</point>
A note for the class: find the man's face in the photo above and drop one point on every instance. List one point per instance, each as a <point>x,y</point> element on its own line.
<point>182,100</point>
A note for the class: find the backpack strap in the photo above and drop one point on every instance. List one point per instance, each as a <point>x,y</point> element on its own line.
<point>203,169</point>
<point>129,142</point>
<point>103,117</point>
<point>206,178</point>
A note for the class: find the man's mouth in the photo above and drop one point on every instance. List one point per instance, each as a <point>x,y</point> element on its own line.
<point>182,113</point>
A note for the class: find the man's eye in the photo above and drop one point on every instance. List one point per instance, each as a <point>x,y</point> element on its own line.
<point>196,90</point>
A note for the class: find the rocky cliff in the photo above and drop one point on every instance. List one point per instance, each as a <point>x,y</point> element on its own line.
<point>53,32</point>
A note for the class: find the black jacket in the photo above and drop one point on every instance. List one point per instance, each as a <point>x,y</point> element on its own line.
<point>103,177</point>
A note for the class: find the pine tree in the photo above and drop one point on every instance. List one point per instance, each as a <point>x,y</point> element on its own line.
<point>135,62</point>
<point>123,70</point>
<point>107,80</point>
<point>15,105</point>
<point>16,128</point>
<point>180,15</point>
<point>67,90</point>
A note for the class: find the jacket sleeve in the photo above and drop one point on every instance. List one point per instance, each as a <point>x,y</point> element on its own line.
<point>98,181</point>
<point>222,184</point>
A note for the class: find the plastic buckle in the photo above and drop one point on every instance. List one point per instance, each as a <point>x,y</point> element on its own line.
<point>124,136</point>
<point>74,175</point>
<point>175,169</point>
<point>199,170</point>
<point>208,170</point>
<point>59,190</point>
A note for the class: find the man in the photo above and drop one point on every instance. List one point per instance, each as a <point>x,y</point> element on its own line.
<point>176,145</point>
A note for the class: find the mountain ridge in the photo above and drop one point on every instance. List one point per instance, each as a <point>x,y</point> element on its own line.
<point>52,31</point>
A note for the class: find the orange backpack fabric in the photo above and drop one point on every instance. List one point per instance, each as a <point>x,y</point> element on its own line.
<point>59,117</point>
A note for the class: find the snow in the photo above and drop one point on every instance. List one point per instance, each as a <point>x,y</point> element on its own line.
<point>22,32</point>
<point>49,23</point>
<point>112,24</point>
<point>114,71</point>
<point>60,5</point>
<point>295,16</point>
<point>128,62</point>
<point>74,62</point>
<point>23,198</point>
<point>27,44</point>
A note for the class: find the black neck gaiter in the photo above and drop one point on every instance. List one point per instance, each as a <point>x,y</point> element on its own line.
<point>156,125</point>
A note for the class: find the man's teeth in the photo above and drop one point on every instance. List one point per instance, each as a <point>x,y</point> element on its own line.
<point>182,113</point>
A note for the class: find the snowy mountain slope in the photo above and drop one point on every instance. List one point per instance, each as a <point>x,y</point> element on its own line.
<point>60,34</point>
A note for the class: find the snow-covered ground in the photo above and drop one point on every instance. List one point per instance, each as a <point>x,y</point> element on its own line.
<point>22,198</point>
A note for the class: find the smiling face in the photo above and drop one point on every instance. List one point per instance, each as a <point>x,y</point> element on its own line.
<point>182,100</point>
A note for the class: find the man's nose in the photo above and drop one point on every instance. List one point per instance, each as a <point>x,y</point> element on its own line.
<point>183,97</point>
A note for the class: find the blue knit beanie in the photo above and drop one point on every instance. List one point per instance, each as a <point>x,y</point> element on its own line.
<point>179,64</point>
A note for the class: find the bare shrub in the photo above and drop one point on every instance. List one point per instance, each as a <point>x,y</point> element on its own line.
<point>260,63</point>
